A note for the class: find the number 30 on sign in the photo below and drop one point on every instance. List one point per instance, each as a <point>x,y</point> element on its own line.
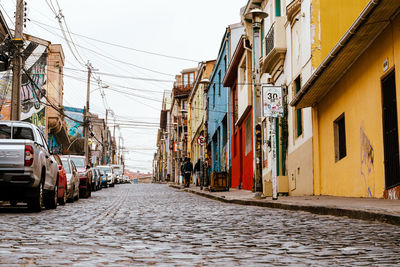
<point>272,101</point>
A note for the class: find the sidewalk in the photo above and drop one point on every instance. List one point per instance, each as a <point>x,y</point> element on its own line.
<point>382,210</point>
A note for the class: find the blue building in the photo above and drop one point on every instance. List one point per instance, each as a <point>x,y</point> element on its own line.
<point>219,102</point>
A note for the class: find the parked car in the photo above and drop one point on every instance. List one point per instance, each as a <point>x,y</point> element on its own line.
<point>104,170</point>
<point>84,174</point>
<point>72,178</point>
<point>62,182</point>
<point>29,172</point>
<point>118,173</point>
<point>127,180</point>
<point>96,179</point>
<point>108,178</point>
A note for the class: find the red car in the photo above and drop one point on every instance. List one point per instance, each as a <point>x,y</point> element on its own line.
<point>85,175</point>
<point>62,182</point>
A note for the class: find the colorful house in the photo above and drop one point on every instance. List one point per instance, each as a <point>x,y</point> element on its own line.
<point>183,85</point>
<point>238,79</point>
<point>196,124</point>
<point>218,103</point>
<point>354,98</point>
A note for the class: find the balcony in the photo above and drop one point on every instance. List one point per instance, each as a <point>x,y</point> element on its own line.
<point>182,90</point>
<point>274,49</point>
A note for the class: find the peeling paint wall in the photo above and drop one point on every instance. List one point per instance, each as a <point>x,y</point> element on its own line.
<point>329,22</point>
<point>367,169</point>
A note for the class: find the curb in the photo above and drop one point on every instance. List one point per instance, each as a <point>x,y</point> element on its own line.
<point>320,210</point>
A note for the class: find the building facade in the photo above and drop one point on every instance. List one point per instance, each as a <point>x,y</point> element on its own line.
<point>355,110</point>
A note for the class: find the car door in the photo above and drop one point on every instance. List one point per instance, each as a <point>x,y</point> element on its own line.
<point>50,165</point>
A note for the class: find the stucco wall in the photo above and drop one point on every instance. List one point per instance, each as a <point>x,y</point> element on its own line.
<point>358,95</point>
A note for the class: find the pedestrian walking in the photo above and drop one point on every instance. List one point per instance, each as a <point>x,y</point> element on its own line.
<point>187,171</point>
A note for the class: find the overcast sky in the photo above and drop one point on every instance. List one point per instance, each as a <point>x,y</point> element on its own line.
<point>188,29</point>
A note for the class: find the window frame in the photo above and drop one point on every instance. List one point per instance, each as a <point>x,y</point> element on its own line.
<point>339,133</point>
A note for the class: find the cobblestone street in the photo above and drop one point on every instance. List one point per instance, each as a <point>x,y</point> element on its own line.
<point>150,224</point>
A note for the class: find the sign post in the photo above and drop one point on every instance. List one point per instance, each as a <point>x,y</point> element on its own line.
<point>273,109</point>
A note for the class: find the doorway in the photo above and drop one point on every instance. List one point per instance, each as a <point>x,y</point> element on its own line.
<point>390,131</point>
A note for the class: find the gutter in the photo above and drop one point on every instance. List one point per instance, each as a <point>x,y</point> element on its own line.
<point>335,51</point>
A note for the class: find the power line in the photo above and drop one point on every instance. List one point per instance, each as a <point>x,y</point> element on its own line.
<point>108,57</point>
<point>126,47</point>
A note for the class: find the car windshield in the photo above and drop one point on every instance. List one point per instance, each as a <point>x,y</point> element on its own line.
<point>104,170</point>
<point>66,165</point>
<point>79,162</point>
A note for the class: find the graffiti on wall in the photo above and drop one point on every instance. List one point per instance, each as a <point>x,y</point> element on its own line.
<point>33,86</point>
<point>75,126</point>
<point>33,90</point>
<point>54,146</point>
<point>367,163</point>
<point>5,94</point>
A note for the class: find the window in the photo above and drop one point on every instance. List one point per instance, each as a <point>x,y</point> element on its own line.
<point>5,132</point>
<point>340,137</point>
<point>242,74</point>
<point>219,83</point>
<point>235,104</point>
<point>214,95</point>
<point>185,79</point>
<point>299,115</point>
<point>225,63</point>
<point>191,78</point>
<point>66,165</point>
<point>248,136</point>
<point>22,133</point>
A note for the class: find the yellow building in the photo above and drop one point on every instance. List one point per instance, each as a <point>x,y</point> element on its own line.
<point>196,116</point>
<point>354,100</point>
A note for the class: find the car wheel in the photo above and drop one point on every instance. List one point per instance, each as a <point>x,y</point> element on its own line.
<point>77,195</point>
<point>63,200</point>
<point>36,202</point>
<point>52,198</point>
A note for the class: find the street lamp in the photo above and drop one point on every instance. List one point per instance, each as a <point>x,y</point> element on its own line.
<point>256,16</point>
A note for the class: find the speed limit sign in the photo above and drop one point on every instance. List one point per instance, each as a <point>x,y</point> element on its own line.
<point>272,101</point>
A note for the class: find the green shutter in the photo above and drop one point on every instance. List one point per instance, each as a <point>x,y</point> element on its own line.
<point>278,8</point>
<point>299,122</point>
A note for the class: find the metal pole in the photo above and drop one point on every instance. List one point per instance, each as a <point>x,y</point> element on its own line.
<point>256,104</point>
<point>106,136</point>
<point>87,114</point>
<point>273,145</point>
<point>17,64</point>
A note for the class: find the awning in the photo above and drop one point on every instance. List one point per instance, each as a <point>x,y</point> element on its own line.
<point>372,21</point>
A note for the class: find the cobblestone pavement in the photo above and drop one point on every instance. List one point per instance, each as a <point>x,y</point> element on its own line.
<point>156,225</point>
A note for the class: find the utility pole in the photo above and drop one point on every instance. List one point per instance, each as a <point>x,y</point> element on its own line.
<point>89,67</point>
<point>17,64</point>
<point>106,137</point>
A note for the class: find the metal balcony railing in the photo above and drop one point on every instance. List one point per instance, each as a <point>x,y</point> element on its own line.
<point>269,40</point>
